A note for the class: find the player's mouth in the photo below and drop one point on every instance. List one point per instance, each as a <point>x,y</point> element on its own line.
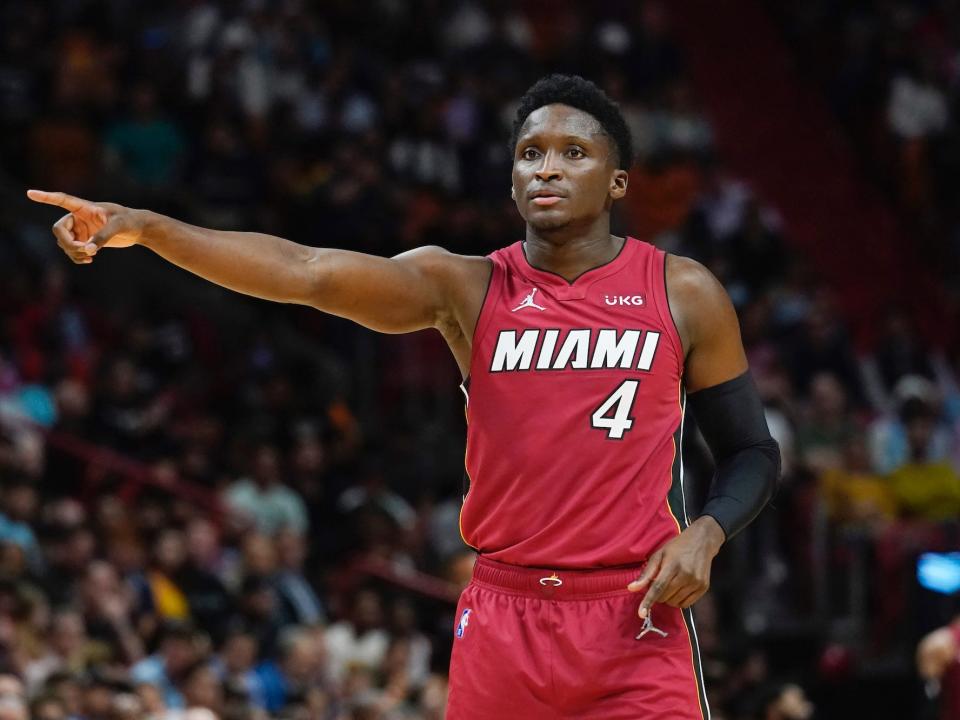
<point>545,197</point>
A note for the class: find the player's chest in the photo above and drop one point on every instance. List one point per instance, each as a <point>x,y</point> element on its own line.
<point>608,325</point>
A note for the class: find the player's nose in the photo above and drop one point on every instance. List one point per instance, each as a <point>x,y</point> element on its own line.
<point>549,169</point>
<point>547,174</point>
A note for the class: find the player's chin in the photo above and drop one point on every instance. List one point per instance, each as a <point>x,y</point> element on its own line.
<point>548,220</point>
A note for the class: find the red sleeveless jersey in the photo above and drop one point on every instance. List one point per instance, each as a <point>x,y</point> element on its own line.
<point>574,413</point>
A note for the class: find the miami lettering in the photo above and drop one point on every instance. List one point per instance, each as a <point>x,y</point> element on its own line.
<point>578,349</point>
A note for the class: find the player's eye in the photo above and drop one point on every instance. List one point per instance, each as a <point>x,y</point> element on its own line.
<point>529,154</point>
<point>576,152</point>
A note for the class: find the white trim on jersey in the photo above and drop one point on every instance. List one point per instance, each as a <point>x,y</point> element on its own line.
<point>703,682</point>
<point>683,500</point>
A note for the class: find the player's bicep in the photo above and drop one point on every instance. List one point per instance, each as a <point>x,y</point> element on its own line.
<point>716,349</point>
<point>392,295</point>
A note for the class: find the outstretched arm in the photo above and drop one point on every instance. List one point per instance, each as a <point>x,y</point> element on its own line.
<point>411,291</point>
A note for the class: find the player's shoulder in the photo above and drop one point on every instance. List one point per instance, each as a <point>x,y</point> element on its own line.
<point>442,264</point>
<point>690,281</point>
<point>698,301</point>
<point>462,279</point>
<point>457,273</point>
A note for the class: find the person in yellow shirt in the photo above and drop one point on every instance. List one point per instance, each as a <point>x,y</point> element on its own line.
<point>853,493</point>
<point>924,489</point>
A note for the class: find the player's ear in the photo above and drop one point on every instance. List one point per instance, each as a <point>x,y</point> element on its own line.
<point>513,193</point>
<point>618,184</point>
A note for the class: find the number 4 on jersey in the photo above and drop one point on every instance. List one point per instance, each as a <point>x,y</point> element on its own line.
<point>621,403</point>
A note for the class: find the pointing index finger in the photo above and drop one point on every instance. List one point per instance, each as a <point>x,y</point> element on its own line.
<point>656,591</point>
<point>67,202</point>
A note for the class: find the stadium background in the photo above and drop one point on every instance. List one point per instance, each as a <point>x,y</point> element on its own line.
<point>211,501</point>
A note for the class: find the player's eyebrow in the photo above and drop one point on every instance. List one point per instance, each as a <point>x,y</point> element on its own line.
<point>568,139</point>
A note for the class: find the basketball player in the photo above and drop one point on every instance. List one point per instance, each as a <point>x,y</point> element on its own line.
<point>580,351</point>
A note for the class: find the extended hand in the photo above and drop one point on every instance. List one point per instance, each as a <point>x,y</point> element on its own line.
<point>90,226</point>
<point>680,570</point>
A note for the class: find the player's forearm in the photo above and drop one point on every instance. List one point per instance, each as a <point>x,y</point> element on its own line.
<point>731,418</point>
<point>743,485</point>
<point>255,264</point>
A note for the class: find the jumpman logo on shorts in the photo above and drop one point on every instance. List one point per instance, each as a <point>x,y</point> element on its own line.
<point>528,302</point>
<point>648,627</point>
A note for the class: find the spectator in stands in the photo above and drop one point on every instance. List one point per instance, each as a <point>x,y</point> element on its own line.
<point>106,605</point>
<point>68,649</point>
<point>299,604</point>
<point>853,493</point>
<point>828,426</point>
<point>169,556</point>
<point>756,250</point>
<point>947,371</point>
<point>299,669</point>
<point>821,344</point>
<point>917,106</point>
<point>409,653</point>
<point>207,598</point>
<point>258,555</point>
<point>360,640</point>
<point>145,149</point>
<point>900,351</point>
<point>166,669</point>
<point>923,488</point>
<point>66,688</point>
<point>206,550</point>
<point>373,490</point>
<point>71,548</point>
<point>258,612</point>
<point>890,445</point>
<point>262,498</point>
<point>151,699</point>
<point>18,508</point>
<point>202,688</point>
<point>97,697</point>
<point>917,110</point>
<point>236,663</point>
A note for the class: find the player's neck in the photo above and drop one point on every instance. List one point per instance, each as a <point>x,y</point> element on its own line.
<point>570,254</point>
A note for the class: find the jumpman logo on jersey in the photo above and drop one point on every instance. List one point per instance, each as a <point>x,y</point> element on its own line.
<point>528,302</point>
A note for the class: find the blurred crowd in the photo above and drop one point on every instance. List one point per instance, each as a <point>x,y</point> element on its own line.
<point>195,486</point>
<point>891,69</point>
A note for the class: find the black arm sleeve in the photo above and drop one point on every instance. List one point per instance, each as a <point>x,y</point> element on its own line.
<point>730,416</point>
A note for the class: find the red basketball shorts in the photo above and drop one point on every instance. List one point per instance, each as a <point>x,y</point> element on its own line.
<point>535,644</point>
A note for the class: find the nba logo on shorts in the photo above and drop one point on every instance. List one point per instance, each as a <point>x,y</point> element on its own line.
<point>462,625</point>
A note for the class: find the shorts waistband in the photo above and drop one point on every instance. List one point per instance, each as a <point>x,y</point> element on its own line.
<point>557,584</point>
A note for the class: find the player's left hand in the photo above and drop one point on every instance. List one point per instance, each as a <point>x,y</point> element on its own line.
<point>679,572</point>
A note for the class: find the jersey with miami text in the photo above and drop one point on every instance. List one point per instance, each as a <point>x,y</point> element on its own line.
<point>574,413</point>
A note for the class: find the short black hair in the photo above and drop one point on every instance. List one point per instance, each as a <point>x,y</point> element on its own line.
<point>582,94</point>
